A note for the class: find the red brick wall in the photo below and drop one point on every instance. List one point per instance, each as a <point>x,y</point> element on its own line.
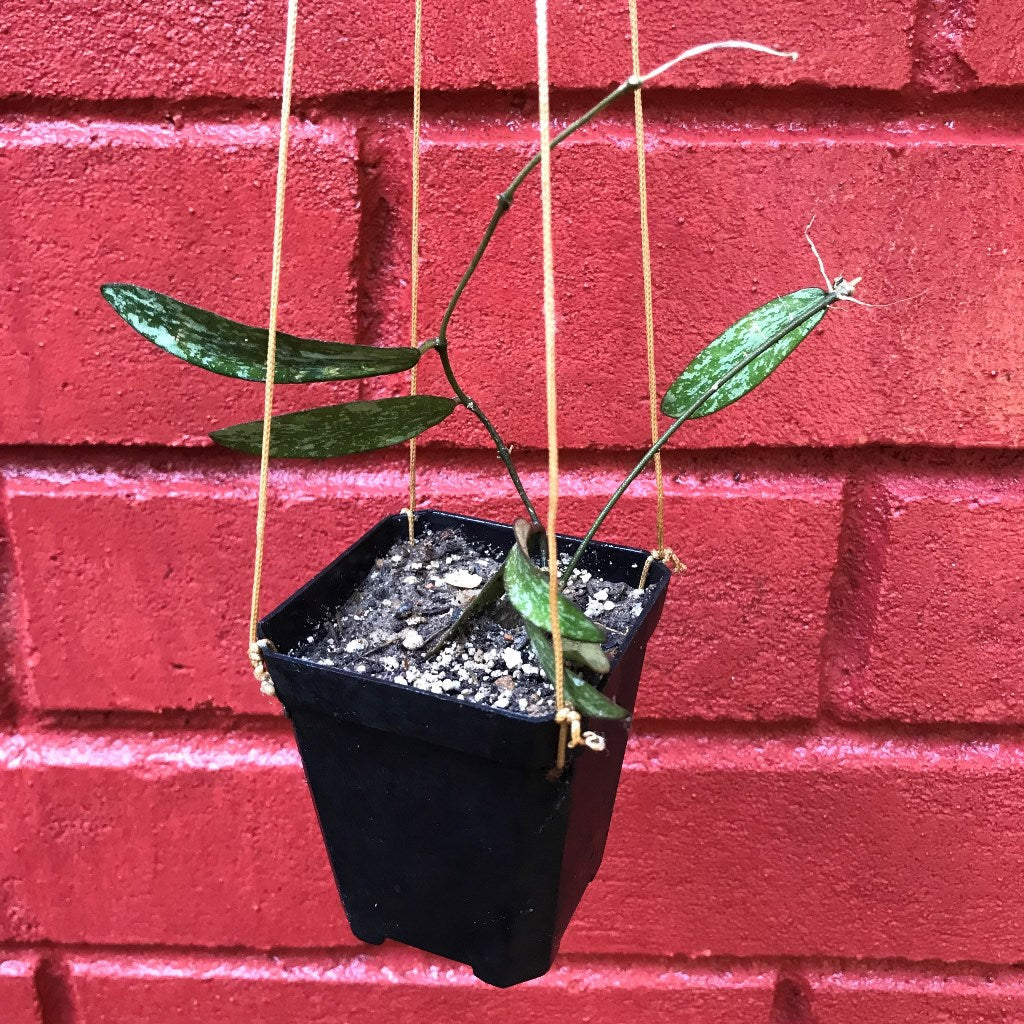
<point>821,819</point>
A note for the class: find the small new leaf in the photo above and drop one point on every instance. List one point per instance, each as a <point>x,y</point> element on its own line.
<point>527,588</point>
<point>591,656</point>
<point>237,350</point>
<point>587,699</point>
<point>340,429</point>
<point>788,319</point>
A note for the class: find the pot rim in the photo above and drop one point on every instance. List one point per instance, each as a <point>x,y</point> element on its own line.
<point>657,584</point>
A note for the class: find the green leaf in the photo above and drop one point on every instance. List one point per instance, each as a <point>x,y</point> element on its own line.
<point>739,343</point>
<point>527,587</point>
<point>340,429</point>
<point>591,656</point>
<point>587,699</point>
<point>235,350</point>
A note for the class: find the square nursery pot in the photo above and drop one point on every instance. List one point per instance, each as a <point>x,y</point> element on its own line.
<point>444,826</point>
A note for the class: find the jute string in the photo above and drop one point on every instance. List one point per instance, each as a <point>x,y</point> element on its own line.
<point>645,256</point>
<point>660,551</point>
<point>256,647</point>
<point>414,270</point>
<point>570,733</point>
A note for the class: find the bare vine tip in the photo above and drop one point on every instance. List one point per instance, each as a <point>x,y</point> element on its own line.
<point>724,44</point>
<point>839,286</point>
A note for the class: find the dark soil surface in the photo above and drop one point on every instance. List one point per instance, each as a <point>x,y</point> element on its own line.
<point>415,592</point>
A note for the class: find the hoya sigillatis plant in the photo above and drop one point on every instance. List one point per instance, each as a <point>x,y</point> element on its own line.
<point>730,367</point>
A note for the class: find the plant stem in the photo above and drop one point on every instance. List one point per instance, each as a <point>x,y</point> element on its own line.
<point>503,452</point>
<point>838,291</point>
<point>504,204</point>
<point>504,201</point>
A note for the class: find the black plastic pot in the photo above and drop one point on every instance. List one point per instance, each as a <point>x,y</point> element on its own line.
<point>444,827</point>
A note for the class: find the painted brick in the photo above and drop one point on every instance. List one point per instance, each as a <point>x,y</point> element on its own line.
<point>850,384</point>
<point>829,847</point>
<point>742,629</point>
<point>990,43</point>
<point>727,217</point>
<point>401,987</point>
<point>18,1003</point>
<point>19,852</point>
<point>940,620</point>
<point>197,840</point>
<point>187,212</point>
<point>899,997</point>
<point>96,49</point>
<point>140,600</point>
<point>136,590</point>
<point>10,639</point>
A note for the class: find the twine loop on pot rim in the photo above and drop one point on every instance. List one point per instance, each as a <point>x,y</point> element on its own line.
<point>566,715</point>
<point>666,555</point>
<point>259,666</point>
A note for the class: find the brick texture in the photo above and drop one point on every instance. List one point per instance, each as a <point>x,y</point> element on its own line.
<point>778,848</point>
<point>407,987</point>
<point>942,619</point>
<point>917,373</point>
<point>829,847</point>
<point>819,820</point>
<point>990,46</point>
<point>745,648</point>
<point>98,50</point>
<point>187,213</point>
<point>18,1002</point>
<point>922,372</point>
<point>903,997</point>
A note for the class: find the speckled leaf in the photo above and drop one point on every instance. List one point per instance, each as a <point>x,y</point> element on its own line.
<point>527,588</point>
<point>340,429</point>
<point>591,656</point>
<point>235,350</point>
<point>587,699</point>
<point>740,342</point>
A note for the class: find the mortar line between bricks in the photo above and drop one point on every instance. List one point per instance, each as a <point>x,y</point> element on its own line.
<point>187,741</point>
<point>344,955</point>
<point>990,114</point>
<point>70,463</point>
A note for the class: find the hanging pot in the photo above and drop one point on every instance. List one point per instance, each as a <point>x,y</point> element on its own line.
<point>444,823</point>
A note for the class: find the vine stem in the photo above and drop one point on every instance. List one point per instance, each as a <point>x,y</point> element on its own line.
<point>504,204</point>
<point>840,290</point>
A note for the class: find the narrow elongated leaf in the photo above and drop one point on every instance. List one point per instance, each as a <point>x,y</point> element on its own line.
<point>527,587</point>
<point>740,342</point>
<point>587,699</point>
<point>340,429</point>
<point>236,350</point>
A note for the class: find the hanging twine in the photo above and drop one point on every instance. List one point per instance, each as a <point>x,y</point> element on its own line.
<point>256,648</point>
<point>568,719</point>
<point>414,271</point>
<point>660,551</point>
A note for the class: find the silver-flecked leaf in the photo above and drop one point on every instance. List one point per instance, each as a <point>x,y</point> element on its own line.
<point>790,317</point>
<point>587,699</point>
<point>236,350</point>
<point>340,429</point>
<point>527,588</point>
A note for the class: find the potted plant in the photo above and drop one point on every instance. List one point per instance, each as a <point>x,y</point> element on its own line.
<point>416,668</point>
